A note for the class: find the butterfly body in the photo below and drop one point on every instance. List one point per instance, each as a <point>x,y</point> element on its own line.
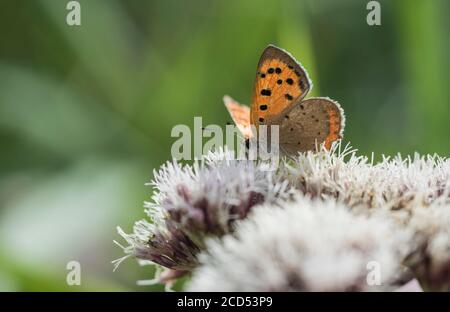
<point>280,87</point>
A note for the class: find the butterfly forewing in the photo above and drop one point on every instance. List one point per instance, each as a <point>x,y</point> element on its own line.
<point>240,115</point>
<point>280,82</point>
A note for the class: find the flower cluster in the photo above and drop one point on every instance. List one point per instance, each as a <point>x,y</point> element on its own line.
<point>305,245</point>
<point>430,246</point>
<point>280,230</point>
<point>193,202</point>
<point>361,184</point>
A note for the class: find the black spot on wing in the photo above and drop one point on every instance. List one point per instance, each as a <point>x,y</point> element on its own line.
<point>288,96</point>
<point>266,92</point>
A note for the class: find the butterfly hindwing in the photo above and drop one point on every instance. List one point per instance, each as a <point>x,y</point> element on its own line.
<point>309,123</point>
<point>280,81</point>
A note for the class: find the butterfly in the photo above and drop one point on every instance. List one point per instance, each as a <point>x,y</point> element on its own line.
<point>280,87</point>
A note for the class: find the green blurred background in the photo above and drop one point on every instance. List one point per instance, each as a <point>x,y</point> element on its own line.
<point>86,112</point>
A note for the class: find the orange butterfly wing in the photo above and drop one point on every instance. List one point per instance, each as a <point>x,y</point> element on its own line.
<point>280,81</point>
<point>240,115</point>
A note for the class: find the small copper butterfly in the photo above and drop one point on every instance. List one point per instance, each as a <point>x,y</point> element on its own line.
<point>279,90</point>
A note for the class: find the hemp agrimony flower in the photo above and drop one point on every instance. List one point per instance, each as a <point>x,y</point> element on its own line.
<point>395,211</point>
<point>303,246</point>
<point>192,202</point>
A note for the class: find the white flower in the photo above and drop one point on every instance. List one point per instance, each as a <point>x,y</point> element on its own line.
<point>363,185</point>
<point>192,202</point>
<point>430,247</point>
<point>303,246</point>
